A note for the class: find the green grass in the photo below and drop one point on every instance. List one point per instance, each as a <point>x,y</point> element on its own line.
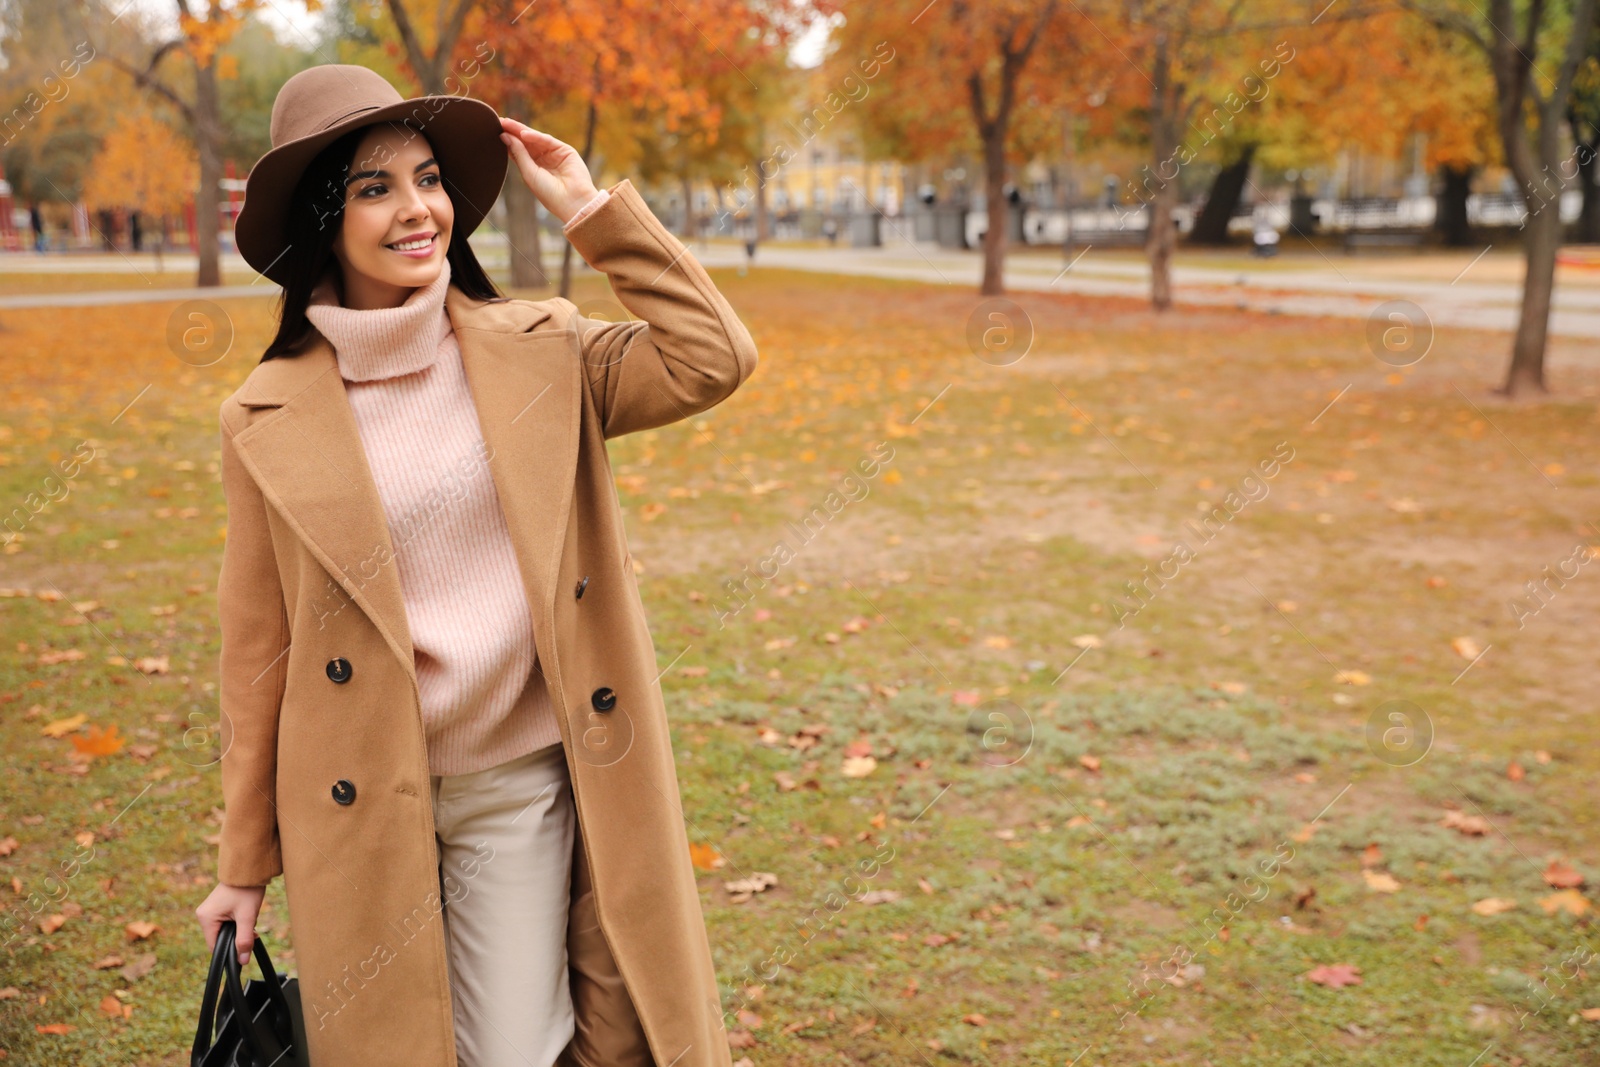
<point>1038,898</point>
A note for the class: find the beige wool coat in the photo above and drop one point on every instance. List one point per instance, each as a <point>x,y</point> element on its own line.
<point>324,767</point>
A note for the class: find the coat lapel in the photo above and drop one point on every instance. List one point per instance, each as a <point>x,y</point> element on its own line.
<point>310,463</point>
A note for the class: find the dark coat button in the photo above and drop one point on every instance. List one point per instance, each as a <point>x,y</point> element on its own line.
<point>344,791</point>
<point>603,699</point>
<point>578,593</point>
<point>339,669</point>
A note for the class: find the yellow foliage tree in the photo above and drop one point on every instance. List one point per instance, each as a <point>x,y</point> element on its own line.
<point>143,166</point>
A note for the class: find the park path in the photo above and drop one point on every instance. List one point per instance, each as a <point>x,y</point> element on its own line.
<point>1315,285</point>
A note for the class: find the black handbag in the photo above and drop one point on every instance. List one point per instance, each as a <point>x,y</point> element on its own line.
<point>257,1025</point>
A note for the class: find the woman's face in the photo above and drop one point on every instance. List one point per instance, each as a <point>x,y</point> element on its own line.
<point>397,219</point>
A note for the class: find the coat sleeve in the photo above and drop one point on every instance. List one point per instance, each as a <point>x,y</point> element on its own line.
<point>254,625</point>
<point>685,351</point>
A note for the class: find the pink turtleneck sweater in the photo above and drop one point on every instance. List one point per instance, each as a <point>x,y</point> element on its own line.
<point>484,700</point>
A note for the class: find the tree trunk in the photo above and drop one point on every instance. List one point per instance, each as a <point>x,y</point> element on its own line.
<point>591,120</point>
<point>208,199</point>
<point>690,225</point>
<point>994,239</point>
<point>1450,221</point>
<point>523,244</point>
<point>1540,243</point>
<point>1159,239</point>
<point>1588,228</point>
<point>762,224</point>
<point>1227,188</point>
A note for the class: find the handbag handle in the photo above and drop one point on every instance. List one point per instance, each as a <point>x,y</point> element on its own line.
<point>208,1005</point>
<point>262,1040</point>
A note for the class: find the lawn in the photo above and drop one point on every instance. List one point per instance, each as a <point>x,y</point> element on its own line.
<point>1170,694</point>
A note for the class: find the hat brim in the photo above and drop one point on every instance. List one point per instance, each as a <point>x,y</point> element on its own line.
<point>464,134</point>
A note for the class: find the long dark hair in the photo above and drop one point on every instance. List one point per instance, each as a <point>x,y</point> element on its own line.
<point>315,214</point>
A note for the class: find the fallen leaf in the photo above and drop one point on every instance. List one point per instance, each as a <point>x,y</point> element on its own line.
<point>1090,763</point>
<point>1335,975</point>
<point>742,889</point>
<point>139,967</point>
<point>62,727</point>
<point>1353,678</point>
<point>1466,648</point>
<point>1567,900</point>
<point>99,742</point>
<point>138,931</point>
<point>1493,905</point>
<point>1562,876</point>
<point>1472,825</point>
<point>858,766</point>
<point>1381,882</point>
<point>705,856</point>
<point>1087,641</point>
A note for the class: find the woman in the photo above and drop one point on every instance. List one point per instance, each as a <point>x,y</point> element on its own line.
<point>440,714</point>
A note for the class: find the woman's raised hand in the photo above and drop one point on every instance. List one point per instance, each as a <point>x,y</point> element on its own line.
<point>551,168</point>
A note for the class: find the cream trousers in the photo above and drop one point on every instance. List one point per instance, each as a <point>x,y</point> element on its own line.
<point>505,862</point>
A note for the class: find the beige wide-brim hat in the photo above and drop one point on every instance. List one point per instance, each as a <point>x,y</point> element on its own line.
<point>320,104</point>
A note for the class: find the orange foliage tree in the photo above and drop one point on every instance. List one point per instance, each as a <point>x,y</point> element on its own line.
<point>142,166</point>
<point>1377,82</point>
<point>614,72</point>
<point>1533,51</point>
<point>969,77</point>
<point>202,31</point>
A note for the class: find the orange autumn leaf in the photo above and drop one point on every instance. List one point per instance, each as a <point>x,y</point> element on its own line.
<point>54,1028</point>
<point>106,742</point>
<point>1335,975</point>
<point>705,857</point>
<point>1569,900</point>
<point>1562,876</point>
<point>63,727</point>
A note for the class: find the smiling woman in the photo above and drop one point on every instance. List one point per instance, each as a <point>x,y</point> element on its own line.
<point>366,204</point>
<point>397,219</point>
<point>434,454</point>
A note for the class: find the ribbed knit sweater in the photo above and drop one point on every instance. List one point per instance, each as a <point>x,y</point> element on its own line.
<point>484,700</point>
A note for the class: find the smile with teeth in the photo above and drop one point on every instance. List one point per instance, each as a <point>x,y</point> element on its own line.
<point>415,244</point>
